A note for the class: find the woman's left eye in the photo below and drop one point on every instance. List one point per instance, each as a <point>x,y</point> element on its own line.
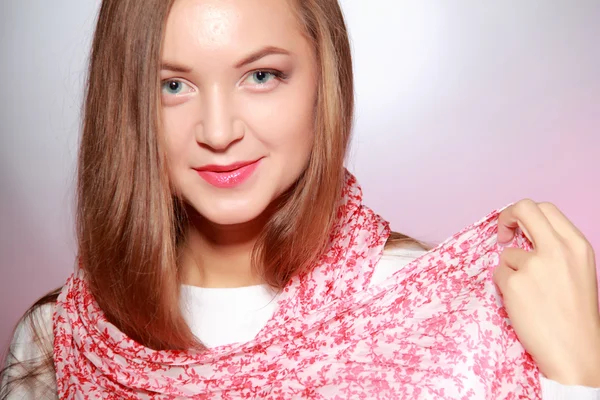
<point>261,77</point>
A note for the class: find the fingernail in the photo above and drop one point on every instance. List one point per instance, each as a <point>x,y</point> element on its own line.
<point>504,244</point>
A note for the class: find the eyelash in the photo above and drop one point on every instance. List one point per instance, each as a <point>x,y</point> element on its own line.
<point>276,74</point>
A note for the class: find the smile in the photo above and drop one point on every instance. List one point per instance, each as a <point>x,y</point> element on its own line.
<point>228,176</point>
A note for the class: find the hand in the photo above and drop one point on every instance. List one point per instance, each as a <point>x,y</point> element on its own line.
<point>551,293</point>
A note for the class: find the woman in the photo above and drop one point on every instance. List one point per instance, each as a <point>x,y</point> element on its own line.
<point>210,178</point>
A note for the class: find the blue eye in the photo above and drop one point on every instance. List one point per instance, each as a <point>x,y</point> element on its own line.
<point>262,77</point>
<point>173,87</point>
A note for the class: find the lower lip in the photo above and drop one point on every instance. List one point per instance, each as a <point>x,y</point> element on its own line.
<point>229,179</point>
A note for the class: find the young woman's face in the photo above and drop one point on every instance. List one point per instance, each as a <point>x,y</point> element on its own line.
<point>238,97</point>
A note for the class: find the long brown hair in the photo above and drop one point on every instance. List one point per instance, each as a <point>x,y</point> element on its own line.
<point>130,225</point>
<point>130,257</point>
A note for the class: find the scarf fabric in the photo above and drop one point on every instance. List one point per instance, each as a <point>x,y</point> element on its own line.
<point>435,329</point>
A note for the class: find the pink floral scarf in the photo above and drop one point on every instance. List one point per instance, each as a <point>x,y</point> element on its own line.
<point>434,330</point>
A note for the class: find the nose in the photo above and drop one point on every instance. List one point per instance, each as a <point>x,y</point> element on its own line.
<point>218,129</point>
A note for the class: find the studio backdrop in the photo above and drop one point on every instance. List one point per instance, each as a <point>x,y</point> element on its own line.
<point>462,107</point>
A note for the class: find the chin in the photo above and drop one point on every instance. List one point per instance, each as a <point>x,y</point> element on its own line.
<point>238,217</point>
<point>227,207</point>
<point>225,212</point>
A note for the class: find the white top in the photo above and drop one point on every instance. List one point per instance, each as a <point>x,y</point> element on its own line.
<point>225,316</point>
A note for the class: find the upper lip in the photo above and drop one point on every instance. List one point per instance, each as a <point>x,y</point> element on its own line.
<point>225,168</point>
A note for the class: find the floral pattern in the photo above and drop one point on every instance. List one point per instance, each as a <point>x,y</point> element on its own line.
<point>435,329</point>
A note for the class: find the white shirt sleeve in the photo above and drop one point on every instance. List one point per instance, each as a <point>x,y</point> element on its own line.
<point>32,343</point>
<point>552,390</point>
<point>397,258</point>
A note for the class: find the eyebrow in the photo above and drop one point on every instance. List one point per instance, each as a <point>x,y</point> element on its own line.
<point>257,55</point>
<point>252,57</point>
<point>175,68</point>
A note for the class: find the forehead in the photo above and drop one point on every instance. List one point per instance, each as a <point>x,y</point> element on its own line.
<point>228,25</point>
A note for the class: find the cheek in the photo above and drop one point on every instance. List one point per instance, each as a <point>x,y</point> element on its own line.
<point>285,123</point>
<point>296,129</point>
<point>178,132</point>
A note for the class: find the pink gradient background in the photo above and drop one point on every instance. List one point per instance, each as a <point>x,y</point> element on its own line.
<point>461,108</point>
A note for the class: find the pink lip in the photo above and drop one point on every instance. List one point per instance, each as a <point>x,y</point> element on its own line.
<point>228,176</point>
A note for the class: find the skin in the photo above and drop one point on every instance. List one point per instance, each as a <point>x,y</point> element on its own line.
<point>217,111</point>
<point>222,114</point>
<point>551,293</point>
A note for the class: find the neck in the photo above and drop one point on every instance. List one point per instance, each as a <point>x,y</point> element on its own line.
<point>220,256</point>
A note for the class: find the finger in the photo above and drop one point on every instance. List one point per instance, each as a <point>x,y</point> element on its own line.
<point>514,258</point>
<point>526,215</point>
<point>502,274</point>
<point>506,230</point>
<point>561,224</point>
<point>511,260</point>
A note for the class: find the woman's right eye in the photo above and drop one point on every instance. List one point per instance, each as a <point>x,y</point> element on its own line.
<point>175,87</point>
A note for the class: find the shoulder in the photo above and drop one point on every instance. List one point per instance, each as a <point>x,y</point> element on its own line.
<point>34,327</point>
<point>28,372</point>
<point>404,251</point>
<point>393,259</point>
